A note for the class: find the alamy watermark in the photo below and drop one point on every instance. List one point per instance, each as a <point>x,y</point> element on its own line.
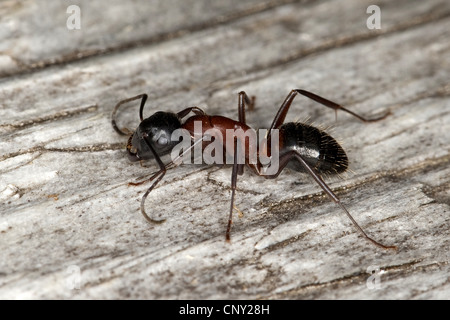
<point>74,20</point>
<point>373,282</point>
<point>73,277</point>
<point>210,146</point>
<point>374,20</point>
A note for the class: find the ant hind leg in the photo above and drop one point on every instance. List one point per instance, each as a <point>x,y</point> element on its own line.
<point>287,157</point>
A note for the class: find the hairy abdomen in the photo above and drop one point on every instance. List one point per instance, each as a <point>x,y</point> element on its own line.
<point>318,148</point>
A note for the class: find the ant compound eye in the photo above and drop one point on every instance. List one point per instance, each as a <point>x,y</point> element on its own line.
<point>154,131</point>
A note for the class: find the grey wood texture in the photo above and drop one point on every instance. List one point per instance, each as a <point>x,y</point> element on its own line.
<point>70,226</point>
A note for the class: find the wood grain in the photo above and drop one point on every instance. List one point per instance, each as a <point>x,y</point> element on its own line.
<point>66,209</point>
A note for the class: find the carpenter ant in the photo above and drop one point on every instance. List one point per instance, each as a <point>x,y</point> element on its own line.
<point>307,148</point>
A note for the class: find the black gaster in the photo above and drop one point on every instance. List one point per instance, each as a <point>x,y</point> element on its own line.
<point>318,148</point>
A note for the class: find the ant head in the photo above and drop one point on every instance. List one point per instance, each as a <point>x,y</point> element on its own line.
<point>156,130</point>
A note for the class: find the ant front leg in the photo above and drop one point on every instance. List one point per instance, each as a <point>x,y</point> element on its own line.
<point>160,174</point>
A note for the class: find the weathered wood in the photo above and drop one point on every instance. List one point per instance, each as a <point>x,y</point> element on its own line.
<point>65,203</point>
<point>43,40</point>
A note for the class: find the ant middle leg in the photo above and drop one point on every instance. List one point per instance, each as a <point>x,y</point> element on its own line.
<point>244,99</point>
<point>237,168</point>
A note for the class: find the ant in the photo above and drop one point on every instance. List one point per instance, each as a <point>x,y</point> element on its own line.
<point>307,148</point>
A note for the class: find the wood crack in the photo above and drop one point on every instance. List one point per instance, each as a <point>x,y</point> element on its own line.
<point>91,148</point>
<point>52,117</point>
<point>392,270</point>
<point>336,42</point>
<point>433,16</point>
<point>158,38</point>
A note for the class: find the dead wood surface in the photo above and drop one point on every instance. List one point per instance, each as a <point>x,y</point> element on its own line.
<point>66,209</point>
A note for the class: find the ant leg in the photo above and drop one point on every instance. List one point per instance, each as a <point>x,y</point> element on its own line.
<point>186,111</point>
<point>159,175</point>
<point>336,106</point>
<point>126,131</point>
<point>284,160</point>
<point>153,175</point>
<point>141,108</point>
<point>281,114</point>
<point>236,168</point>
<point>243,99</point>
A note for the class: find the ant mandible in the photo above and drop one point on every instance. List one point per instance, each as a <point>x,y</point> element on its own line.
<point>315,151</point>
